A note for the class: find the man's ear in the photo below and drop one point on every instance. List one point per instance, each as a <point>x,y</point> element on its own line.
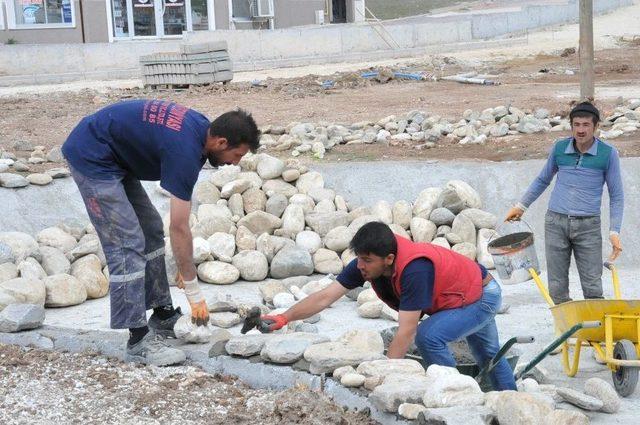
<point>389,259</point>
<point>217,144</point>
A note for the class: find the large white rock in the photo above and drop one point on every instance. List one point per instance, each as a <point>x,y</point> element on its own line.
<point>357,223</point>
<point>270,167</point>
<point>308,181</point>
<point>24,291</point>
<point>63,290</point>
<point>402,214</point>
<point>270,245</point>
<point>367,295</point>
<point>224,175</point>
<point>234,187</point>
<point>21,244</point>
<point>8,271</point>
<point>517,408</point>
<point>252,265</point>
<point>270,288</point>
<point>482,251</point>
<point>201,250</point>
<point>480,219</point>
<point>322,223</point>
<point>325,206</point>
<point>57,238</point>
<point>465,248</point>
<point>276,204</point>
<point>391,366</point>
<point>382,211</point>
<point>291,262</point>
<point>206,192</point>
<point>399,231</point>
<point>453,390</point>
<point>305,201</point>
<point>252,177</point>
<point>30,269</point>
<point>88,270</point>
<point>209,211</point>
<point>602,390</point>
<point>352,380</point>
<point>440,241</point>
<point>309,240</point>
<point>289,348</point>
<point>326,261</point>
<point>347,256</point>
<point>279,186</point>
<point>352,348</point>
<point>222,246</point>
<point>259,222</point>
<point>338,238</point>
<point>245,239</point>
<point>218,272</point>
<point>371,309</point>
<point>422,230</point>
<point>254,199</point>
<point>293,220</point>
<point>463,227</point>
<point>426,202</point>
<point>225,319</point>
<point>247,345</point>
<point>319,194</point>
<point>190,332</point>
<point>206,228</point>
<point>459,195</point>
<point>54,261</point>
<point>283,300</point>
<point>88,244</point>
<point>19,317</point>
<point>411,410</point>
<point>441,216</point>
<point>398,389</point>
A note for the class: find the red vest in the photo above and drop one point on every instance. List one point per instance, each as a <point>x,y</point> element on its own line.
<point>458,280</point>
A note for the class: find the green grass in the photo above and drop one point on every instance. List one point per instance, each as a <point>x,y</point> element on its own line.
<point>391,9</point>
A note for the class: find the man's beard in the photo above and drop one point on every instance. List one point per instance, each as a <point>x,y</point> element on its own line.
<point>213,160</point>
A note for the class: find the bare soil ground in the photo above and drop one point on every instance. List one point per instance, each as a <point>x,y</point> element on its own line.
<point>527,83</point>
<point>47,387</point>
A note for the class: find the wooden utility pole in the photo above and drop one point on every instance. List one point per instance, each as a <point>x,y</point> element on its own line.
<point>586,50</point>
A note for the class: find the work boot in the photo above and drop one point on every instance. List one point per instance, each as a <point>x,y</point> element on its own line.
<point>164,327</point>
<point>152,350</point>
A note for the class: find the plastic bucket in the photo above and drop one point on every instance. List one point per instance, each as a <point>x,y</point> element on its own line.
<point>513,255</point>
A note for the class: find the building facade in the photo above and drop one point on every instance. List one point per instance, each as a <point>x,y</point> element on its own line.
<point>99,21</point>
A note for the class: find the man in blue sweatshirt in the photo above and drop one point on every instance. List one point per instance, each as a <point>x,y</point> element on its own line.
<point>109,153</point>
<point>583,164</point>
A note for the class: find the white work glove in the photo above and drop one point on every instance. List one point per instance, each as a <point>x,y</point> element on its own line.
<point>199,308</point>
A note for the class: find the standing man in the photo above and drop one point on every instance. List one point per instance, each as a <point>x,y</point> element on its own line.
<point>459,295</point>
<point>584,164</point>
<point>109,152</point>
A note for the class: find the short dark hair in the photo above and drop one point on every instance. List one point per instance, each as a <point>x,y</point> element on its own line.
<point>585,110</point>
<point>238,127</point>
<point>374,238</point>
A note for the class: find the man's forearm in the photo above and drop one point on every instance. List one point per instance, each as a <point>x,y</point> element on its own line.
<point>182,246</point>
<point>400,344</point>
<point>307,307</point>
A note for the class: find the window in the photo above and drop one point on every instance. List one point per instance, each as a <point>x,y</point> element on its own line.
<point>1,15</point>
<point>41,13</point>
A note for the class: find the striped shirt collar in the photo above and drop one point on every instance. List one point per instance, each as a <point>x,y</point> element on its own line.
<point>593,150</point>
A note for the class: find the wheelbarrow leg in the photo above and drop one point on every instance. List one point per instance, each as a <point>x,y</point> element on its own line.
<point>555,344</point>
<point>484,372</point>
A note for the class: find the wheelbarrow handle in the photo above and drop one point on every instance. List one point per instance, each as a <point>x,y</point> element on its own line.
<point>525,339</point>
<point>502,352</point>
<point>592,324</point>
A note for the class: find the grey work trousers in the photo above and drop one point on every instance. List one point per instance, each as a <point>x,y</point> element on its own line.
<point>132,237</point>
<point>582,236</point>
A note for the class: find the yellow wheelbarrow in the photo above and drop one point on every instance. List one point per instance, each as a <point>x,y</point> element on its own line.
<point>583,320</point>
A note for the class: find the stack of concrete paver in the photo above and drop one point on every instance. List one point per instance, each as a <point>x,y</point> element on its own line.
<point>195,64</point>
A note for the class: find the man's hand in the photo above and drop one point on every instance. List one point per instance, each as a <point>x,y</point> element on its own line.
<point>515,213</point>
<point>616,246</point>
<point>199,308</point>
<point>407,326</point>
<point>274,322</point>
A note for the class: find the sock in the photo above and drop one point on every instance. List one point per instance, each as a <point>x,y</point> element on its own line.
<point>136,334</point>
<point>164,312</point>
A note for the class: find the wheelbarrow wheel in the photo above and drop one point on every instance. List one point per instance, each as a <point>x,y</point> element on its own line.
<point>625,378</point>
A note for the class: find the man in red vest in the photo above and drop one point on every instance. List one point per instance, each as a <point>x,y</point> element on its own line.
<point>459,295</point>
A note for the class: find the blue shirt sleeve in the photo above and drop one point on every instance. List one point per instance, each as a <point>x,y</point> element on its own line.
<point>541,182</point>
<point>616,194</point>
<point>417,285</point>
<point>350,277</point>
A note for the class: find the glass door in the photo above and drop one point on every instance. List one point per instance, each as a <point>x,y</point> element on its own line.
<point>174,16</point>
<point>144,18</point>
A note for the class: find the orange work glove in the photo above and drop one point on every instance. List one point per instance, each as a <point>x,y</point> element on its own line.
<point>273,323</point>
<point>616,246</point>
<point>199,308</point>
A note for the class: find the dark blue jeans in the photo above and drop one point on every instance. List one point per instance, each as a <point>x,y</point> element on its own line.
<point>475,322</point>
<point>132,236</point>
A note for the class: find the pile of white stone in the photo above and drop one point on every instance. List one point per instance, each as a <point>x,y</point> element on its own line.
<point>422,130</point>
<point>271,218</point>
<point>62,266</point>
<point>10,166</point>
<point>356,359</point>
